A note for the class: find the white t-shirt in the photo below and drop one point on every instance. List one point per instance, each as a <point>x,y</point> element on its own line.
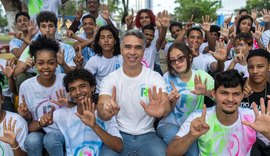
<point>101,66</point>
<point>5,87</point>
<point>15,43</point>
<point>203,62</point>
<point>5,148</point>
<point>239,67</point>
<point>69,54</point>
<point>132,118</point>
<point>79,138</point>
<point>150,56</point>
<point>266,38</point>
<point>235,139</point>
<point>37,97</point>
<point>87,52</point>
<point>202,47</point>
<point>188,102</point>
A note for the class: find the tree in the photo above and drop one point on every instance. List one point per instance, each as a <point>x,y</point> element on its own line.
<point>198,8</point>
<point>3,20</point>
<point>257,4</point>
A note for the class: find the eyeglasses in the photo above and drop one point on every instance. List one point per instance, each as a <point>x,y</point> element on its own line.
<point>179,59</point>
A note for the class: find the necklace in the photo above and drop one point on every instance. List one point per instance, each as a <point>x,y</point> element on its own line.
<point>44,89</point>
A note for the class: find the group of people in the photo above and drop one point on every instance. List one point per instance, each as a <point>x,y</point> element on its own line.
<point>107,95</point>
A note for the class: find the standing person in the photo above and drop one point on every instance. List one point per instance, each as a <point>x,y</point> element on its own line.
<point>187,88</point>
<point>107,58</point>
<point>102,16</point>
<point>35,97</point>
<point>83,131</point>
<point>130,94</point>
<point>220,129</point>
<point>258,63</point>
<point>14,131</point>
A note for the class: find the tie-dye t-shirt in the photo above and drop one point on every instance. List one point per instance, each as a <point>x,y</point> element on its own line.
<point>188,102</point>
<point>233,140</point>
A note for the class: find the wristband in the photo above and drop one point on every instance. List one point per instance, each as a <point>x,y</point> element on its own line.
<point>15,148</point>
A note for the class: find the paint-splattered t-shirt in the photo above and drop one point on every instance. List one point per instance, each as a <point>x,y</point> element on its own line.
<point>233,140</point>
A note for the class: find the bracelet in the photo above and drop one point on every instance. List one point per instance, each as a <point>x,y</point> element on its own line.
<point>15,148</point>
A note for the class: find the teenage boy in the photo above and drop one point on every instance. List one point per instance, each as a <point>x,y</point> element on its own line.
<point>47,23</point>
<point>83,131</point>
<point>258,66</point>
<point>221,129</point>
<point>35,95</point>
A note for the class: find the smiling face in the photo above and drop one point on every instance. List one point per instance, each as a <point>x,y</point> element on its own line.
<point>144,19</point>
<point>258,68</point>
<point>149,36</point>
<point>175,30</point>
<point>245,25</point>
<point>22,23</point>
<point>132,50</point>
<point>228,99</point>
<point>46,64</point>
<point>88,25</point>
<point>178,61</point>
<point>195,39</point>
<point>79,90</point>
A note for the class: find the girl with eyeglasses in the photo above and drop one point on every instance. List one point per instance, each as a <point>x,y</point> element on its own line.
<point>186,88</point>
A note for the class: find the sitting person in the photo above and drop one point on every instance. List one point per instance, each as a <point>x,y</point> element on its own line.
<point>83,131</point>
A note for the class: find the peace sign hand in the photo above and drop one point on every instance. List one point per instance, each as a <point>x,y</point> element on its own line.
<point>111,106</point>
<point>9,136</point>
<point>9,69</point>
<point>47,119</point>
<point>156,106</point>
<point>88,113</point>
<point>198,126</point>
<point>78,59</point>
<point>174,95</point>
<point>23,109</point>
<point>105,13</point>
<point>200,88</point>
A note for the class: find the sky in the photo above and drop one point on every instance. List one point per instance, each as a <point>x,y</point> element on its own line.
<point>160,5</point>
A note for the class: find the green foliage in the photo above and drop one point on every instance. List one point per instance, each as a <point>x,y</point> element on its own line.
<point>198,8</point>
<point>257,4</point>
<point>3,20</point>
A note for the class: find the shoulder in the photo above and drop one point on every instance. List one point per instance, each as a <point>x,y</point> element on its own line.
<point>28,82</point>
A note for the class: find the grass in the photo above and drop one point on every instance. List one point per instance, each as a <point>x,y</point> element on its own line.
<point>5,38</point>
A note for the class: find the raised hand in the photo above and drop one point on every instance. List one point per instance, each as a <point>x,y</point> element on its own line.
<point>17,34</point>
<point>266,15</point>
<point>224,31</point>
<point>105,13</point>
<point>61,56</point>
<point>247,89</point>
<point>189,23</point>
<point>164,19</point>
<point>198,126</point>
<point>78,59</point>
<point>227,21</point>
<point>79,13</point>
<point>261,119</point>
<point>47,119</point>
<point>88,113</point>
<point>200,88</point>
<point>174,95</point>
<point>221,51</point>
<point>206,23</point>
<point>29,62</point>
<point>258,32</point>
<point>156,106</point>
<point>23,109</point>
<point>62,98</point>
<point>9,69</point>
<point>9,136</point>
<point>111,106</point>
<point>129,20</point>
<point>254,14</point>
<point>32,29</point>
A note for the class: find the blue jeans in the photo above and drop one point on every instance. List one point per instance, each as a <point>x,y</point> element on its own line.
<point>106,151</point>
<point>168,133</point>
<point>53,142</point>
<point>148,144</point>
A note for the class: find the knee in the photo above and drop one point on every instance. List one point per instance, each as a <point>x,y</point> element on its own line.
<point>33,141</point>
<point>53,138</point>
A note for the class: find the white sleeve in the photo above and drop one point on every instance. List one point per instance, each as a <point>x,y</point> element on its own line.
<point>21,124</point>
<point>159,82</point>
<point>113,128</point>
<point>91,65</point>
<point>69,55</point>
<point>185,128</point>
<point>106,85</point>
